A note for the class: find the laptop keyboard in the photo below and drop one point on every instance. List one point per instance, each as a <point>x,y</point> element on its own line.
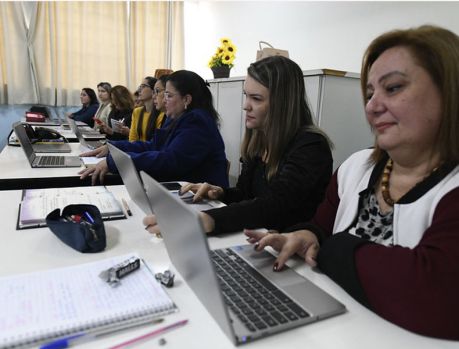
<point>49,160</point>
<point>257,302</point>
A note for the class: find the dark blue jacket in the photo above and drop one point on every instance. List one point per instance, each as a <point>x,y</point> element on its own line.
<point>187,149</point>
<point>86,114</point>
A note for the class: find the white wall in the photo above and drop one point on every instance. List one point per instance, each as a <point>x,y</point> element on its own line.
<point>318,34</point>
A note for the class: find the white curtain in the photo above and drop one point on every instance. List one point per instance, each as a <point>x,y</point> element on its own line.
<point>70,45</point>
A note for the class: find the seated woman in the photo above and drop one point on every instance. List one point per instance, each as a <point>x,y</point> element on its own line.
<point>188,147</point>
<point>285,158</point>
<point>145,118</point>
<point>119,119</point>
<point>103,92</point>
<point>388,229</point>
<point>90,105</point>
<point>158,104</point>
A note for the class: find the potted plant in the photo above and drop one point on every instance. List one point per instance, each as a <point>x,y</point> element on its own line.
<point>222,60</point>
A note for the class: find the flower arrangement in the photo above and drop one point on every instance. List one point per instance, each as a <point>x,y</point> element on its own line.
<point>225,54</point>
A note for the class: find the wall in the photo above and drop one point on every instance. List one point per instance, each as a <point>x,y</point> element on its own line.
<point>318,34</point>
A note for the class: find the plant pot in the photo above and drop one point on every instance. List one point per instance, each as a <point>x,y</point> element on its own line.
<point>221,72</point>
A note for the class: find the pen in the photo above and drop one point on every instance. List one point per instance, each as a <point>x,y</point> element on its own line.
<point>126,207</point>
<point>65,342</point>
<point>89,217</point>
<point>157,332</point>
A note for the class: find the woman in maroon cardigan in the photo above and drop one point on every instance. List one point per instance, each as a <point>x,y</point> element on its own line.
<point>388,229</point>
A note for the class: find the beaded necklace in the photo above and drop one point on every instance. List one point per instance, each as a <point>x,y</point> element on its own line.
<point>385,182</point>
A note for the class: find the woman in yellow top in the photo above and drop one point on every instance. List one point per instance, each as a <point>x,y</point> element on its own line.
<point>144,119</point>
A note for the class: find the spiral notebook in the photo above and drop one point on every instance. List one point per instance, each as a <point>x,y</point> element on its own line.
<point>42,306</point>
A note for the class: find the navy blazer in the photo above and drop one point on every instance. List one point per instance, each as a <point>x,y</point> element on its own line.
<point>189,148</point>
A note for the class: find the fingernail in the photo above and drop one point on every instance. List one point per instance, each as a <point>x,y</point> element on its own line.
<point>275,266</point>
<point>256,245</point>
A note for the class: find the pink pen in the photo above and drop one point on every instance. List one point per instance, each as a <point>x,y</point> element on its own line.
<point>151,334</point>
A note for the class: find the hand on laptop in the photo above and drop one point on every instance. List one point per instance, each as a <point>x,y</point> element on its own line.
<point>203,191</point>
<point>98,152</point>
<point>151,224</point>
<point>97,172</point>
<point>302,242</point>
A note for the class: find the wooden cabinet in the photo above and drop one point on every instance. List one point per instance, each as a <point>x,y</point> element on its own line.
<point>334,97</point>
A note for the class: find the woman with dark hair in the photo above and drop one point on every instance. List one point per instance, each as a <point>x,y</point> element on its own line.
<point>285,158</point>
<point>144,117</point>
<point>119,119</point>
<point>188,147</point>
<point>388,228</point>
<point>103,92</point>
<point>90,105</point>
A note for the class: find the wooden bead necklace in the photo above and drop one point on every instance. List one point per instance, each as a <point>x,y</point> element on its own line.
<point>385,183</point>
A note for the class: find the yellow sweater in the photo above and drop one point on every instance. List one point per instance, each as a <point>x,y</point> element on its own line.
<point>133,133</point>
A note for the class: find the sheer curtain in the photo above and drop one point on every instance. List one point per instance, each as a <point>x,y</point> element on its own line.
<point>79,44</point>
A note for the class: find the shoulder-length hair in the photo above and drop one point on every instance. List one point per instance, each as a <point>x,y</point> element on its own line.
<point>121,98</point>
<point>437,51</point>
<point>189,83</point>
<point>287,114</point>
<point>91,94</point>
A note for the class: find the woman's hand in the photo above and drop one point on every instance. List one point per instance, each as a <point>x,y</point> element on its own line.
<point>302,242</point>
<point>151,224</point>
<point>105,129</point>
<point>203,191</point>
<point>125,130</point>
<point>98,152</point>
<point>97,172</point>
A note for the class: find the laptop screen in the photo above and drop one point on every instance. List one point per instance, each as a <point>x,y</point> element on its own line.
<point>24,140</point>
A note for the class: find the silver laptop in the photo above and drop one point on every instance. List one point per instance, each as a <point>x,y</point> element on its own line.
<point>237,285</point>
<point>42,160</point>
<point>88,144</point>
<point>135,187</point>
<point>49,147</point>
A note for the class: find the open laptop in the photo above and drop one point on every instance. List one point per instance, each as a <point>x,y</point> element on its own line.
<point>237,285</point>
<point>88,144</point>
<point>48,147</point>
<point>43,160</point>
<point>134,185</point>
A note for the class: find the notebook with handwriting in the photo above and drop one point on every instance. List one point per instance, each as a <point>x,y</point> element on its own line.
<point>37,203</point>
<point>41,306</point>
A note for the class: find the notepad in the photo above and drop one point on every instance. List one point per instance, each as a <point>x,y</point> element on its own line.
<point>42,306</point>
<point>37,203</point>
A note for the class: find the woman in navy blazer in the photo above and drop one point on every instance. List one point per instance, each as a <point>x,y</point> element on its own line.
<point>90,105</point>
<point>188,147</point>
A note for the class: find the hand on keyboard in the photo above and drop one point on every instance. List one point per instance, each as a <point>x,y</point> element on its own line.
<point>301,242</point>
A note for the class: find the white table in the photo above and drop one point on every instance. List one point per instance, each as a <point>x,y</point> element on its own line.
<point>16,172</point>
<point>38,249</point>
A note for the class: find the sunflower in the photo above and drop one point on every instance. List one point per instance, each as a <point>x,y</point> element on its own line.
<point>224,55</point>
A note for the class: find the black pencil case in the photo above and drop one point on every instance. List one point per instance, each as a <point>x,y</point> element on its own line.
<point>79,226</point>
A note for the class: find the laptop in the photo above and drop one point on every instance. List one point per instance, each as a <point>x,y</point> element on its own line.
<point>135,187</point>
<point>42,160</point>
<point>44,133</point>
<point>237,285</point>
<point>88,144</point>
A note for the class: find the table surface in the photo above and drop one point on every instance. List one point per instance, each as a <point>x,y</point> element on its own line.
<point>17,173</point>
<point>38,249</point>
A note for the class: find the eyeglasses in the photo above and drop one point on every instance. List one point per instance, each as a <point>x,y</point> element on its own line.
<point>143,85</point>
<point>157,91</point>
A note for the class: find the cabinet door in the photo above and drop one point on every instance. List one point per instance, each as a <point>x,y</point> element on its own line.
<point>229,106</point>
<point>342,116</point>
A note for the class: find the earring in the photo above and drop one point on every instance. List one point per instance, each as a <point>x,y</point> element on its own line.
<point>186,106</point>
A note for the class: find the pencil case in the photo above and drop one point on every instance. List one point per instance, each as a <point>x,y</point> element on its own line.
<point>79,226</point>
